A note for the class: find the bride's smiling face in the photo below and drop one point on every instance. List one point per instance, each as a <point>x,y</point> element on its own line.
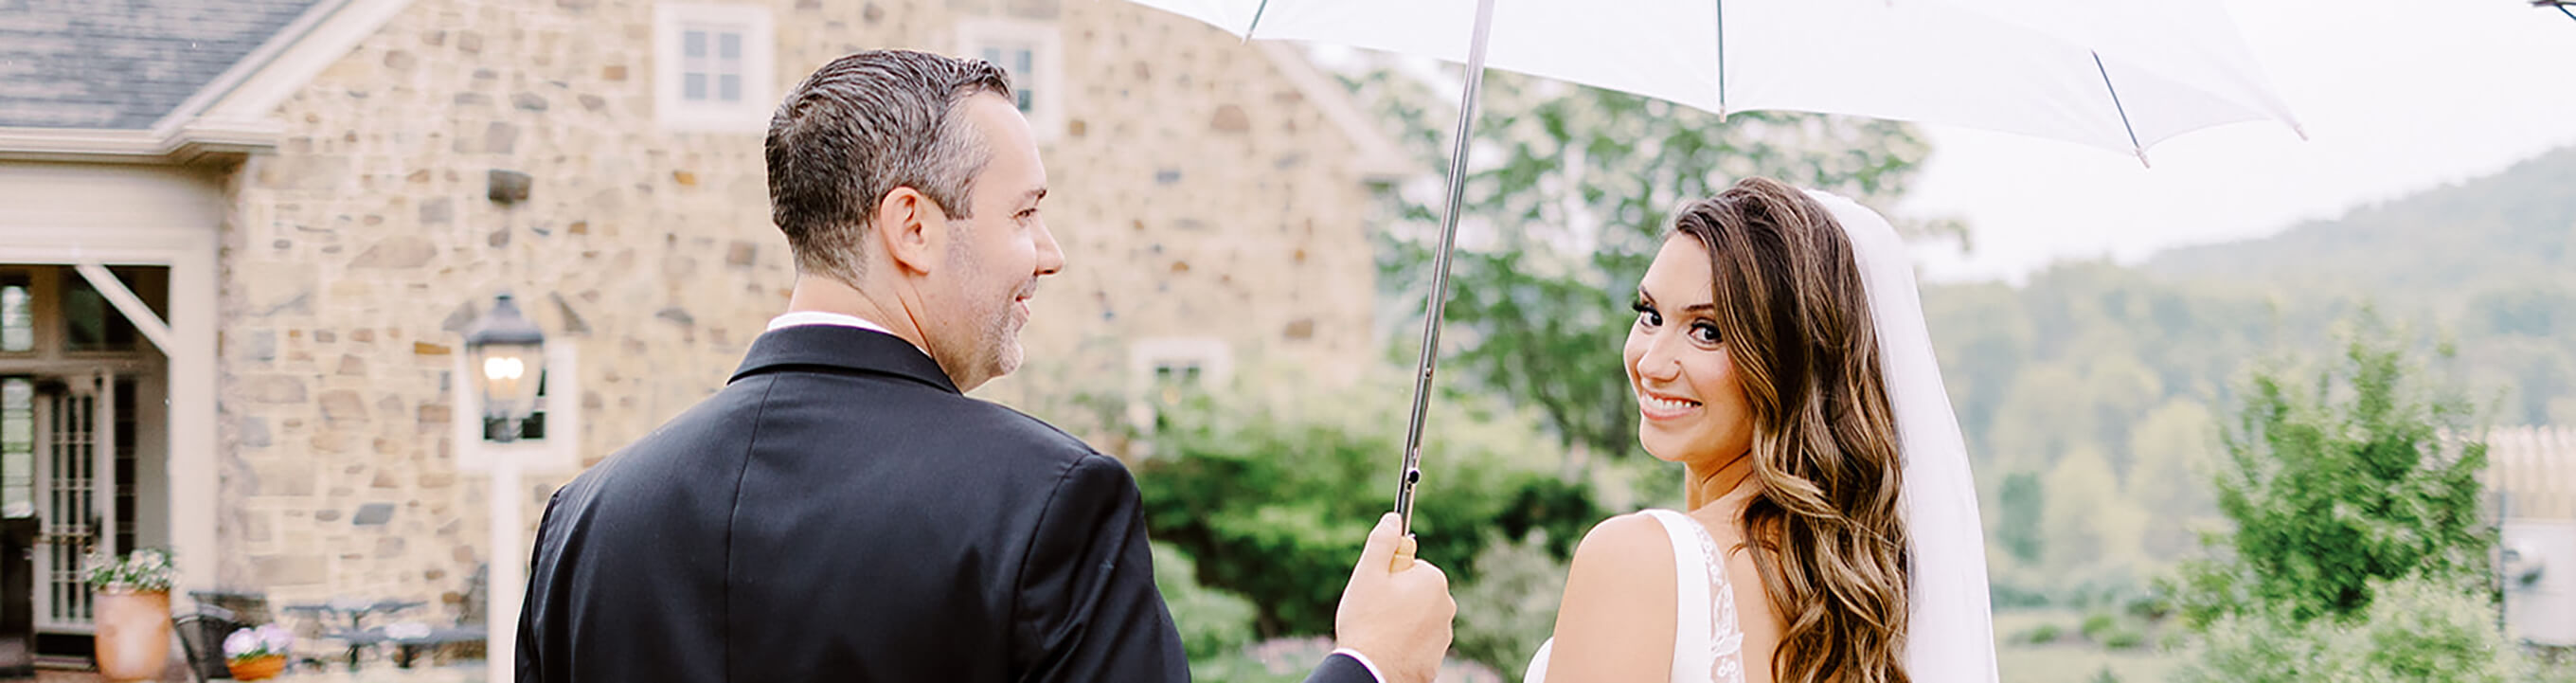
<point>1690,403</point>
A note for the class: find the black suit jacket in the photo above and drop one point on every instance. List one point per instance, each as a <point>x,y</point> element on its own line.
<point>839,511</point>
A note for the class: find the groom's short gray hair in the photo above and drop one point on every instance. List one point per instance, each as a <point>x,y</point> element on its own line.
<point>862,126</point>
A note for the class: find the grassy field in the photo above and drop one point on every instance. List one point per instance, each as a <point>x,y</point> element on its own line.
<point>2071,659</point>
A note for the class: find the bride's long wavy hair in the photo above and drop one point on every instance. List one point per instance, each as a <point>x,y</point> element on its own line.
<point>1824,524</point>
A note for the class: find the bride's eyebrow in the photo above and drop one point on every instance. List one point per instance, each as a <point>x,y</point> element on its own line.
<point>1649,301</point>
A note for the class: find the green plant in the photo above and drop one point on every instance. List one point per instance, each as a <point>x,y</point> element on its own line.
<point>1511,606</point>
<point>1272,497</point>
<point>2124,639</point>
<point>1212,622</point>
<point>147,571</point>
<point>2359,549</point>
<point>2417,630</point>
<point>2097,624</point>
<point>2338,483</point>
<point>2042,634</point>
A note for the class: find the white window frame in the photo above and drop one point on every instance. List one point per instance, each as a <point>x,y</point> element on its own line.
<point>1045,43</point>
<point>1214,358</point>
<point>559,452</point>
<point>759,67</point>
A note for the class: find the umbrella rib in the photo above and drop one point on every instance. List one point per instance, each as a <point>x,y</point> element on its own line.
<point>2124,110</point>
<point>1721,60</point>
<point>1256,20</point>
<point>2562,9</point>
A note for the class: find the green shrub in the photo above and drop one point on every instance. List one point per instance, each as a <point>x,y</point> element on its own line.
<point>1212,622</point>
<point>1511,607</point>
<point>2416,630</point>
<point>2042,634</point>
<point>2124,639</point>
<point>1273,497</point>
<point>2338,481</point>
<point>2098,624</point>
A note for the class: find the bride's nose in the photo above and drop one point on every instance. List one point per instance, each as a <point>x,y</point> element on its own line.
<point>1662,361</point>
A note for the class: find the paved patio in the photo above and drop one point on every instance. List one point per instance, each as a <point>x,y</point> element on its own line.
<point>461,672</point>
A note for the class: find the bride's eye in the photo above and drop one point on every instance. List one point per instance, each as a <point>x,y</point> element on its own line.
<point>1706,334</point>
<point>1646,314</point>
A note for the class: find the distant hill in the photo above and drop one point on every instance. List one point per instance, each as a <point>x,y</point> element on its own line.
<point>2086,391</point>
<point>2514,228</point>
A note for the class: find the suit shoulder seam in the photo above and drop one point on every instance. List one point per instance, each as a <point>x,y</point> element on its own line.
<point>725,638</point>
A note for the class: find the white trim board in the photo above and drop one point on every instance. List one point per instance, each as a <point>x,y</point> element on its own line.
<point>194,281</point>
<point>253,87</point>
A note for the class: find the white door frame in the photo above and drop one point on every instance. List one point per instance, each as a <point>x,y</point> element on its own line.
<point>194,283</point>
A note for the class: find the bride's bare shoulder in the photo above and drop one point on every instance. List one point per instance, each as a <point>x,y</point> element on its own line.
<point>1630,541</point>
<point>1617,619</point>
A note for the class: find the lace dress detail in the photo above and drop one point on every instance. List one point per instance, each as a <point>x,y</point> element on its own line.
<point>1726,634</point>
<point>1707,619</point>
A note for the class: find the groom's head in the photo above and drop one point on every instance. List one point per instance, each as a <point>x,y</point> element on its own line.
<point>912,178</point>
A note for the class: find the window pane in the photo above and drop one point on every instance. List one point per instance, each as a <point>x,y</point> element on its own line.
<point>729,46</point>
<point>693,86</point>
<point>729,88</point>
<point>89,323</point>
<point>994,55</point>
<point>17,448</point>
<point>693,44</point>
<point>1025,63</point>
<point>1026,100</point>
<point>17,318</point>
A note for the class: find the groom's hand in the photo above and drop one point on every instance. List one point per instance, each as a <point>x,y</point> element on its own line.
<point>1397,609</point>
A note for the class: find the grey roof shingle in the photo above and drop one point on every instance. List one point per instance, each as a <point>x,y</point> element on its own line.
<point>122,64</point>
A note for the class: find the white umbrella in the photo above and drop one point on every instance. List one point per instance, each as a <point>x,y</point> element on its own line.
<point>2117,74</point>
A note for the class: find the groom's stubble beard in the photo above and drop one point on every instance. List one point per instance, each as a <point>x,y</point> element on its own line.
<point>995,348</point>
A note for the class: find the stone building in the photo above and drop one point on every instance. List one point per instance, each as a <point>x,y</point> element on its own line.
<point>239,240</point>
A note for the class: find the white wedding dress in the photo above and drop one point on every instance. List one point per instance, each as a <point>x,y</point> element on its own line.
<point>1708,642</point>
<point>1949,634</point>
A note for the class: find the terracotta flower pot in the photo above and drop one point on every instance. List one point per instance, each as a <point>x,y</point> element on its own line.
<point>260,668</point>
<point>133,634</point>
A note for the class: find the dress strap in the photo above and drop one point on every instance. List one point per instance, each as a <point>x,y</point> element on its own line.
<point>1708,642</point>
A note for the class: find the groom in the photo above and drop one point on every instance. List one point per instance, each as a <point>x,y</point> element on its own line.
<point>841,510</point>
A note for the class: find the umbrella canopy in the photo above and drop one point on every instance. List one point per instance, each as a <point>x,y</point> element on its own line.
<point>2120,76</point>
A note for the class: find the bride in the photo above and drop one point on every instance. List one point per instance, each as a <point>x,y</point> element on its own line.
<point>1780,356</point>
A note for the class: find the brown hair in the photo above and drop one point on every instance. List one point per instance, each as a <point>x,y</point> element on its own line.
<point>1824,524</point>
<point>860,127</point>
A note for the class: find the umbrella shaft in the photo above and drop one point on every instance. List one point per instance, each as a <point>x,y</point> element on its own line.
<point>1412,473</point>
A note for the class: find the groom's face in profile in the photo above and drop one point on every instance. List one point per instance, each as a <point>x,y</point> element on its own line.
<point>995,253</point>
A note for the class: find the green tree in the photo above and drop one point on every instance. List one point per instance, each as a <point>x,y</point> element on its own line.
<point>2017,520</point>
<point>1566,200</point>
<point>2364,474</point>
<point>2169,453</point>
<point>2044,415</point>
<point>2088,524</point>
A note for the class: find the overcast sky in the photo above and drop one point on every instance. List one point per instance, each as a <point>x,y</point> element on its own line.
<point>2396,96</point>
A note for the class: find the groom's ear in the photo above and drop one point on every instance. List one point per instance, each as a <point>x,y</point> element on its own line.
<point>911,230</point>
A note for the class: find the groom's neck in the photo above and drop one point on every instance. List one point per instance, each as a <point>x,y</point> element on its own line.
<point>827,295</point>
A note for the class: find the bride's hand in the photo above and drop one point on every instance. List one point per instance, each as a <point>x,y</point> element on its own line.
<point>1396,611</point>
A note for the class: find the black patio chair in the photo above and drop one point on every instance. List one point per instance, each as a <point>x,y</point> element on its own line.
<point>201,636</point>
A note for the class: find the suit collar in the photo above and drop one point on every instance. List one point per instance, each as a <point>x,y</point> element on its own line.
<point>845,348</point>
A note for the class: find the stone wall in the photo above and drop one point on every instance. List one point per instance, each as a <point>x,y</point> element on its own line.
<point>1196,193</point>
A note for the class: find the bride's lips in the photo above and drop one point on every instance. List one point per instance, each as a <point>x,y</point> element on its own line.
<point>1660,407</point>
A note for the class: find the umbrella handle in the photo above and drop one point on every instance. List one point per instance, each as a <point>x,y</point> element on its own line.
<point>1439,298</point>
